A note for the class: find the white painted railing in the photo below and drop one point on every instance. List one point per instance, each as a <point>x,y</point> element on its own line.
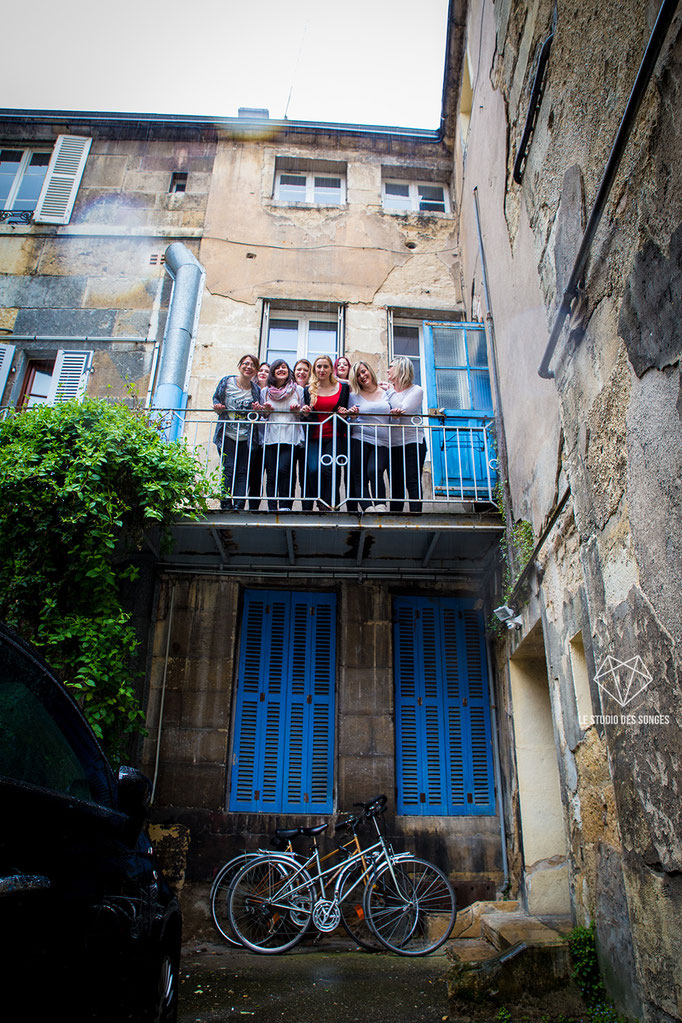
<point>405,465</point>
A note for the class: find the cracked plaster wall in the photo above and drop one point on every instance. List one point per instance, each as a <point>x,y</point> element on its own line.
<point>611,566</point>
<point>256,247</point>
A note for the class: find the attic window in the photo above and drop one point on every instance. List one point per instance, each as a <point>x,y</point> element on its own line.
<point>178,182</point>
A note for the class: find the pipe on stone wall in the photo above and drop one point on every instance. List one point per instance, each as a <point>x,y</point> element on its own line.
<point>159,729</point>
<point>646,69</point>
<point>183,314</point>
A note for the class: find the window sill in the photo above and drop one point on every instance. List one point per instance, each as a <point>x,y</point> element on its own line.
<point>418,214</point>
<point>284,204</point>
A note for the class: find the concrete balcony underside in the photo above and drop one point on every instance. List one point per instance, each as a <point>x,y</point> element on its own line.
<point>335,544</point>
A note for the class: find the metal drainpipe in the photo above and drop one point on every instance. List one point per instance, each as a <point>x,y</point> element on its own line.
<point>646,69</point>
<point>163,694</point>
<point>497,769</point>
<point>490,330</point>
<point>188,278</point>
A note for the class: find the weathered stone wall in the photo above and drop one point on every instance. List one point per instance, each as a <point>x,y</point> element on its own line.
<point>196,684</point>
<point>356,254</point>
<point>102,274</point>
<point>608,427</point>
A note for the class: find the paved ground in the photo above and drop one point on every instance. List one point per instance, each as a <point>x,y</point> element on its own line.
<point>331,981</point>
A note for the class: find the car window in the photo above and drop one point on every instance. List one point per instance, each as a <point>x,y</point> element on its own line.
<point>43,742</point>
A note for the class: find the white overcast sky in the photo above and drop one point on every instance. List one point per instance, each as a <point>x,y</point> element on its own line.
<point>355,61</point>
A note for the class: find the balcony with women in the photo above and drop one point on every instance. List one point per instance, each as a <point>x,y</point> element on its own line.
<point>348,476</point>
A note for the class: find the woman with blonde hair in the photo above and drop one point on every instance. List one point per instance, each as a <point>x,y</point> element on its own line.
<point>407,443</point>
<point>368,439</point>
<point>322,398</point>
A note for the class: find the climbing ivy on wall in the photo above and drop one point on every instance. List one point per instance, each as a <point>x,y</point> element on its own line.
<point>516,546</point>
<point>81,484</point>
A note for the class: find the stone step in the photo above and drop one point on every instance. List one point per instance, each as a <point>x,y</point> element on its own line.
<point>468,922</point>
<point>503,930</point>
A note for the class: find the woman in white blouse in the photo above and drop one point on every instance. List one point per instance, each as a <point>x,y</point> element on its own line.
<point>407,443</point>
<point>369,409</point>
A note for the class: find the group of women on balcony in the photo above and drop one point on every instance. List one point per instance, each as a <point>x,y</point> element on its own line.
<point>317,424</point>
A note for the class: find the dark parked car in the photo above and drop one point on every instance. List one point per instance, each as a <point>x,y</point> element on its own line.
<point>91,930</point>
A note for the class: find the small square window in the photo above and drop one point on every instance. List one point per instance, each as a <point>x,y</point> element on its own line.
<point>415,197</point>
<point>318,189</point>
<point>178,182</point>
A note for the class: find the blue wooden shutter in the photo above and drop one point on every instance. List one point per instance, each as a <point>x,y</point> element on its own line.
<point>443,740</point>
<point>284,718</point>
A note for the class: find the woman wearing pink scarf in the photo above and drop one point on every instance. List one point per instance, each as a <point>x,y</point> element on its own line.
<point>280,402</point>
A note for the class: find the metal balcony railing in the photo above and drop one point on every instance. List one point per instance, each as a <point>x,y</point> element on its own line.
<point>410,463</point>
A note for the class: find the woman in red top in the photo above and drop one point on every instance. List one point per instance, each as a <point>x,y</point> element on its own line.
<point>327,444</point>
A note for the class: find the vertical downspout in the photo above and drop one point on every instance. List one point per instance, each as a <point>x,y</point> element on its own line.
<point>159,729</point>
<point>183,314</point>
<point>502,459</point>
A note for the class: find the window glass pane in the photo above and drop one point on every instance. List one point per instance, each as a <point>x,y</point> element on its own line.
<point>32,182</point>
<point>478,355</point>
<point>449,347</point>
<point>282,341</point>
<point>431,197</point>
<point>321,339</point>
<point>292,187</point>
<point>397,196</point>
<point>452,389</point>
<point>406,342</point>
<point>480,386</point>
<point>328,190</point>
<point>9,165</point>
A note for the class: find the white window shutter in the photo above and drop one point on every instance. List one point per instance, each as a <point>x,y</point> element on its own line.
<point>6,356</point>
<point>63,177</point>
<point>69,377</point>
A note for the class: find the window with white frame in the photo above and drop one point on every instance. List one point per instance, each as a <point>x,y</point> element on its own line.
<point>293,335</point>
<point>22,172</point>
<point>46,378</point>
<point>41,184</point>
<point>415,196</point>
<point>318,188</point>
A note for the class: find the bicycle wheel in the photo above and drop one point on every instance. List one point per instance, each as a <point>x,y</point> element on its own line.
<point>270,904</point>
<point>410,905</point>
<point>220,892</point>
<point>353,919</point>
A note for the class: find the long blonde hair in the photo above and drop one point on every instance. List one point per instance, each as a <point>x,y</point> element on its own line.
<point>353,376</point>
<point>314,382</point>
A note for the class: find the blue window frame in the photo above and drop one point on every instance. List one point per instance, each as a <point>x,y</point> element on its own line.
<point>284,718</point>
<point>458,381</point>
<point>443,737</point>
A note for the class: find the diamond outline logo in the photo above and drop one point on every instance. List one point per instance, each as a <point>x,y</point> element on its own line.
<point>623,680</point>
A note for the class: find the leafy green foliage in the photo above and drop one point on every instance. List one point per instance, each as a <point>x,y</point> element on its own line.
<point>586,974</point>
<point>81,484</point>
<point>516,547</point>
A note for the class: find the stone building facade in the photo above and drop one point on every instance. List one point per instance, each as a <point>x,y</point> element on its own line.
<point>593,458</point>
<point>374,242</point>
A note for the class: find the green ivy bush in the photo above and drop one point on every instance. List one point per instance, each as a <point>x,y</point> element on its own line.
<point>81,484</point>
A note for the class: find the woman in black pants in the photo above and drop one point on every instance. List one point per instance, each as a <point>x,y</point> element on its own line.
<point>322,399</point>
<point>407,443</point>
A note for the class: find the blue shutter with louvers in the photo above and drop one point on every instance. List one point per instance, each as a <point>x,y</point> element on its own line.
<point>284,716</point>
<point>443,739</point>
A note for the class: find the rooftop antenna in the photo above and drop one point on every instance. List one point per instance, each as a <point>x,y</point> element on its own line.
<point>293,77</point>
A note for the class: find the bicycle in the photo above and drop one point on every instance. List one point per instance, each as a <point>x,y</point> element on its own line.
<point>282,843</point>
<point>353,915</point>
<point>408,903</point>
